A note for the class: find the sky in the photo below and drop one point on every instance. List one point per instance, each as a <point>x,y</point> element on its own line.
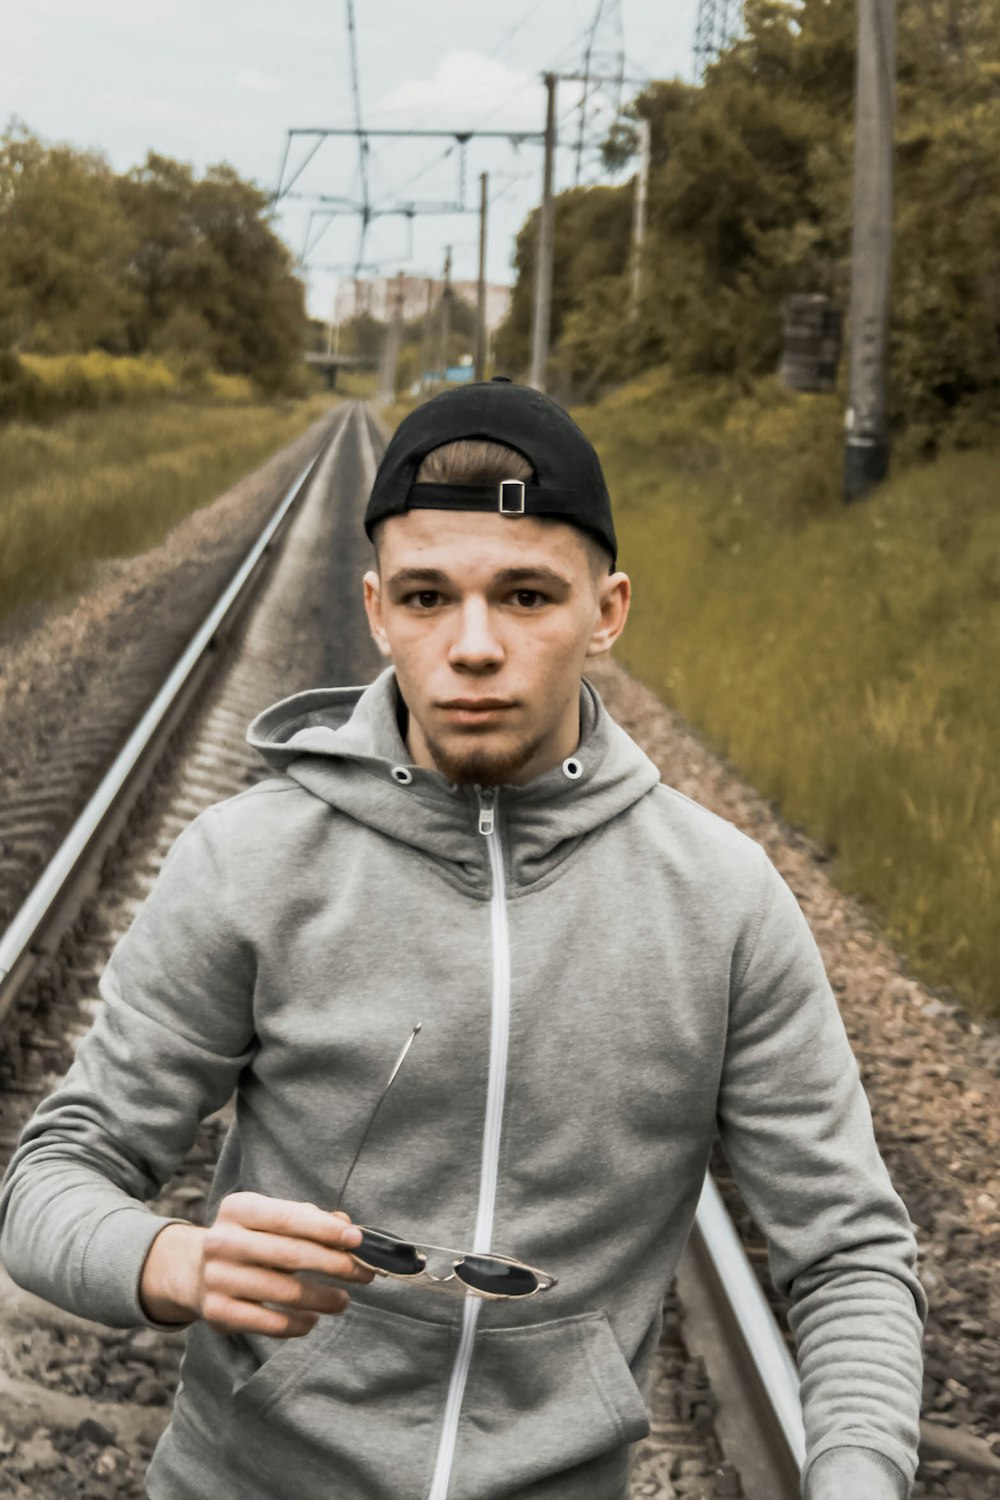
<point>207,81</point>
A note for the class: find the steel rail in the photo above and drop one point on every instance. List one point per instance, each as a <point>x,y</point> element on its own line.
<point>51,905</point>
<point>754,1376</point>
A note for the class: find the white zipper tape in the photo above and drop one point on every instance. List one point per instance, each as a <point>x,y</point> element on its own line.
<point>499,1036</point>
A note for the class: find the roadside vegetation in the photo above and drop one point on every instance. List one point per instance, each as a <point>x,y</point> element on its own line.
<point>151,340</point>
<point>750,201</point>
<point>154,261</point>
<point>844,659</point>
<point>103,484</point>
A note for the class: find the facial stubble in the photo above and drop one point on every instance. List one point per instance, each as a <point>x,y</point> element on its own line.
<point>476,765</point>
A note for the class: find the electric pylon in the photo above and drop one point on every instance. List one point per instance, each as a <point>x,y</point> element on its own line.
<point>716,28</point>
<point>603,72</point>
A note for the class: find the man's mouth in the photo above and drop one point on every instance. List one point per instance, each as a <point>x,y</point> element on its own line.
<point>471,710</point>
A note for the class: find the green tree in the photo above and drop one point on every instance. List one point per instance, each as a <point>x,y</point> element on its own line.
<point>65,245</point>
<point>591,238</point>
<point>750,200</point>
<point>213,278</point>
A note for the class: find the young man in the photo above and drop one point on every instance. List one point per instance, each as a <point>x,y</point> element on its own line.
<point>601,971</point>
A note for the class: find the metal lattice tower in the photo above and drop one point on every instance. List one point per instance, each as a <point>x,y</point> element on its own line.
<point>603,73</point>
<point>717,26</point>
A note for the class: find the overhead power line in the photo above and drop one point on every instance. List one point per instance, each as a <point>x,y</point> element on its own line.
<point>362,138</point>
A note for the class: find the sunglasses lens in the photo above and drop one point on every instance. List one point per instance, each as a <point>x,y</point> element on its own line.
<point>383,1253</point>
<point>487,1275</point>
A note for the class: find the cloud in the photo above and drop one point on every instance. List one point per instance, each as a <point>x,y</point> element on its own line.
<point>469,86</point>
<point>257,83</point>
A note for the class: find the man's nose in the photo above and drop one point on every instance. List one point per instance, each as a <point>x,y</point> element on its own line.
<point>476,643</point>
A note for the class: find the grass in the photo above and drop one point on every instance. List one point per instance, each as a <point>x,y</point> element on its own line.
<point>112,483</point>
<point>844,658</point>
<point>43,387</point>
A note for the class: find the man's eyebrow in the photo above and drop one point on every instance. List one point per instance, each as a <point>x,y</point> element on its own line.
<point>509,576</point>
<point>523,575</point>
<point>417,575</point>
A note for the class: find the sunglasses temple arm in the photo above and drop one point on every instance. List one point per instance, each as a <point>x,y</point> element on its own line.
<point>371,1118</point>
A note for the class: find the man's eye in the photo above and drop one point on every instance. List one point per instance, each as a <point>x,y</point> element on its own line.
<point>423,598</point>
<point>530,598</point>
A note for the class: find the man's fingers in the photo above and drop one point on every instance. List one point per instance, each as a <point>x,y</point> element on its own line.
<point>283,1216</point>
<point>231,1315</point>
<point>230,1241</point>
<point>258,1284</point>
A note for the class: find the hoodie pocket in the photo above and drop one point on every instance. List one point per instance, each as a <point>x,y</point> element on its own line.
<point>353,1408</point>
<point>552,1405</point>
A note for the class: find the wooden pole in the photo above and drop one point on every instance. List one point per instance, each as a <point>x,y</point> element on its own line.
<point>544,250</point>
<point>426,340</point>
<point>866,460</point>
<point>444,320</point>
<point>480,360</point>
<point>394,338</point>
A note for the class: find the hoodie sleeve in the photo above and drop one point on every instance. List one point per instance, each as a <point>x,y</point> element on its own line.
<point>166,1049</point>
<point>795,1123</point>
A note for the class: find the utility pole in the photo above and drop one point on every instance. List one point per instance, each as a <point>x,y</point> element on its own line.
<point>544,249</point>
<point>425,342</point>
<point>639,213</point>
<point>333,321</point>
<point>444,318</point>
<point>479,372</point>
<point>393,339</point>
<point>866,460</point>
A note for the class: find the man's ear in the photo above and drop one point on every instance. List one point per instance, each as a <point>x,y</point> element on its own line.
<point>614,598</point>
<point>373,609</point>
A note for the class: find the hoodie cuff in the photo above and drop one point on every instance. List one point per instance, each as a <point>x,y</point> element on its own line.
<point>863,1473</point>
<point>112,1267</point>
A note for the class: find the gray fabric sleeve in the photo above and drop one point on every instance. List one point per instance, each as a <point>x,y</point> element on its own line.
<point>795,1123</point>
<point>166,1049</point>
<point>856,1472</point>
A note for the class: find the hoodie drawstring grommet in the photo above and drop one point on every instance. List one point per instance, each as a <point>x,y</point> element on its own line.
<point>402,775</point>
<point>572,768</point>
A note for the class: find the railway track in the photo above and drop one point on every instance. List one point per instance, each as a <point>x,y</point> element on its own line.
<point>82,1405</point>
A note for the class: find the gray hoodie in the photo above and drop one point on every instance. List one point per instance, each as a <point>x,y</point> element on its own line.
<point>604,971</point>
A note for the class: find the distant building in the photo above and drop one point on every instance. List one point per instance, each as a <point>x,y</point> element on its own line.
<point>374,295</point>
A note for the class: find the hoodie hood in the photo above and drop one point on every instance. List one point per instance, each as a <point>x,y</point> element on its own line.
<point>344,746</point>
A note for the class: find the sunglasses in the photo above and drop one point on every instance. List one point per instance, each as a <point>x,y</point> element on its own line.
<point>476,1275</point>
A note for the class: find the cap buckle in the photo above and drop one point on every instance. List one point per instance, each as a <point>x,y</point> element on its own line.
<point>515,495</point>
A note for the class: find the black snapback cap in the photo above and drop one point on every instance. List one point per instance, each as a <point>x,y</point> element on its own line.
<point>569,483</point>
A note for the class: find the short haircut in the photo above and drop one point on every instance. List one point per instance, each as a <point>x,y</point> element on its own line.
<point>482,461</point>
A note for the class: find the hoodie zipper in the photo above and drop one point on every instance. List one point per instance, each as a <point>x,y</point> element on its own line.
<point>499,1034</point>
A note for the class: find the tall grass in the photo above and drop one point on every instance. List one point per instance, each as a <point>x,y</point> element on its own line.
<point>845,658</point>
<point>40,387</point>
<point>112,483</point>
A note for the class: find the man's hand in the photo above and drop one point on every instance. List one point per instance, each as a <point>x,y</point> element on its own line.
<point>249,1270</point>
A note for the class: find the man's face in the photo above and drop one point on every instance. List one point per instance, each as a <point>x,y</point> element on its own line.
<point>489,620</point>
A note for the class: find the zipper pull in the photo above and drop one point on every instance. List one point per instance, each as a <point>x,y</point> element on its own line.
<point>487,810</point>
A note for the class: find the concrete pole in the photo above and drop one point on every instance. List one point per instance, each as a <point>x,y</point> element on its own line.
<point>394,338</point>
<point>639,214</point>
<point>426,340</point>
<point>334,320</point>
<point>444,318</point>
<point>866,460</point>
<point>479,372</point>
<point>544,249</point>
